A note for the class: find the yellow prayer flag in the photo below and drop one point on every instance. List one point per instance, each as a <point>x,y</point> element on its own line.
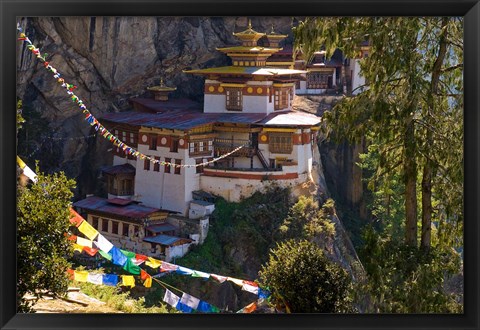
<point>80,275</point>
<point>77,247</point>
<point>21,163</point>
<point>154,263</point>
<point>87,229</point>
<point>128,280</point>
<point>148,283</point>
<point>84,242</point>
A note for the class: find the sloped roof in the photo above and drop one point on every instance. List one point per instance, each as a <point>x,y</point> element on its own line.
<point>119,169</point>
<point>132,211</point>
<point>165,239</point>
<point>247,70</point>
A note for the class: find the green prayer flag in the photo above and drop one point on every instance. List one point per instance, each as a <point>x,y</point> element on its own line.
<point>128,254</point>
<point>131,267</point>
<point>105,255</point>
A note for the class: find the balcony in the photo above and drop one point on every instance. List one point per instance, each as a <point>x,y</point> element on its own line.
<point>224,146</point>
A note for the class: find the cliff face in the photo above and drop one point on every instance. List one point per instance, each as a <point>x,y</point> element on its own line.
<point>110,59</point>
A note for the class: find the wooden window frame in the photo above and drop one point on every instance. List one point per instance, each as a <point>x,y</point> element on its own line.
<point>280,143</point>
<point>153,142</point>
<point>95,222</point>
<point>177,169</point>
<point>166,168</point>
<point>281,98</point>
<point>104,225</point>
<point>234,99</point>
<point>115,226</point>
<point>174,144</point>
<point>146,164</point>
<point>156,166</point>
<point>198,169</point>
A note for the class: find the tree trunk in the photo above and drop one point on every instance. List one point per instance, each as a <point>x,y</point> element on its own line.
<point>427,206</point>
<point>410,180</point>
<point>428,170</point>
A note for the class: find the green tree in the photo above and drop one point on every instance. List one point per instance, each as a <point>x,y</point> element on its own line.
<point>411,109</point>
<point>42,246</point>
<point>304,281</point>
<point>405,279</point>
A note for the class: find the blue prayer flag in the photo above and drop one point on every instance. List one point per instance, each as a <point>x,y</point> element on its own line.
<point>118,258</point>
<point>110,279</point>
<point>184,308</point>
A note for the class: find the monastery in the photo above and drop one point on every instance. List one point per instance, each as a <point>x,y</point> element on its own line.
<point>160,210</point>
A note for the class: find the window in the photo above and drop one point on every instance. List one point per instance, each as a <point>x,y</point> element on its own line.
<point>234,99</point>
<point>95,222</point>
<point>199,168</point>
<point>280,143</point>
<point>177,168</point>
<point>105,225</point>
<point>115,227</point>
<point>201,147</point>
<point>153,142</point>
<point>146,164</point>
<point>156,166</point>
<point>124,136</point>
<point>132,140</point>
<point>281,98</point>
<point>125,229</point>
<point>174,145</point>
<point>317,80</point>
<point>167,166</point>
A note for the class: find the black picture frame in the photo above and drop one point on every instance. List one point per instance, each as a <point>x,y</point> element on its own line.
<point>10,9</point>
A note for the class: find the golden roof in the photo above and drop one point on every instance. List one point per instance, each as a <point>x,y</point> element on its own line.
<point>275,35</point>
<point>249,35</point>
<point>161,88</point>
<point>252,70</point>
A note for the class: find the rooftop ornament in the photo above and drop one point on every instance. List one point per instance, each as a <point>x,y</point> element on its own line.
<point>161,91</point>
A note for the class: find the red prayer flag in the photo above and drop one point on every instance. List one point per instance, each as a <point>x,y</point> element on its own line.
<point>144,275</point>
<point>141,257</point>
<point>71,274</point>
<point>90,251</point>
<point>76,218</point>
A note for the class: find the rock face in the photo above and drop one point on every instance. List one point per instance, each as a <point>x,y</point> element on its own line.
<point>111,59</point>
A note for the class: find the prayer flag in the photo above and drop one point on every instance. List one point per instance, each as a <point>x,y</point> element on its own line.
<point>128,254</point>
<point>105,255</point>
<point>144,275</point>
<point>250,288</point>
<point>249,308</point>
<point>131,267</point>
<point>103,244</point>
<point>205,307</point>
<point>168,267</point>
<point>90,251</point>
<point>84,242</point>
<point>197,273</point>
<point>148,282</point>
<point>71,274</point>
<point>154,263</point>
<point>189,300</point>
<point>262,293</point>
<point>80,276</point>
<point>110,279</point>
<point>118,258</point>
<point>77,247</point>
<point>219,278</point>
<point>236,281</point>
<point>87,229</point>
<point>128,280</point>
<point>184,271</point>
<point>95,278</point>
<point>183,308</point>
<point>139,259</point>
<point>76,218</point>
<point>170,298</point>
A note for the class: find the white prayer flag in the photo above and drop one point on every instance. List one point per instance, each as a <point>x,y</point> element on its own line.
<point>190,301</point>
<point>236,281</point>
<point>170,298</point>
<point>103,244</point>
<point>84,242</point>
<point>250,288</point>
<point>95,278</point>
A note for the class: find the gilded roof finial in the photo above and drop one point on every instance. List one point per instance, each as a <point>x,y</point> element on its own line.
<point>249,23</point>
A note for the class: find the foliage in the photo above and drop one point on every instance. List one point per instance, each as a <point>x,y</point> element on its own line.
<point>410,109</point>
<point>403,279</point>
<point>304,280</point>
<point>42,246</point>
<point>20,119</point>
<point>113,297</point>
<point>307,220</point>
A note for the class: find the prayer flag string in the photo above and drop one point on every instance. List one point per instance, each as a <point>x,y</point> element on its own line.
<point>94,122</point>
